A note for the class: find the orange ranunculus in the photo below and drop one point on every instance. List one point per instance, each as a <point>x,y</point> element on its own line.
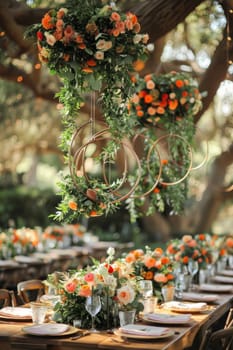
<point>82,46</point>
<point>160,110</point>
<point>165,260</point>
<point>158,251</point>
<point>151,111</point>
<point>130,258</point>
<point>164,161</point>
<point>115,16</point>
<point>147,77</point>
<point>149,262</point>
<point>185,259</point>
<point>170,277</point>
<point>179,83</point>
<point>87,70</point>
<point>93,213</point>
<point>222,252</point>
<point>150,84</point>
<point>160,278</point>
<point>172,104</point>
<point>138,65</point>
<point>91,63</point>
<point>149,275</point>
<point>229,242</point>
<point>140,113</point>
<point>142,93</point>
<point>184,93</point>
<point>201,236</point>
<point>47,22</point>
<point>156,190</point>
<point>163,103</point>
<point>148,98</point>
<point>85,291</point>
<point>73,205</point>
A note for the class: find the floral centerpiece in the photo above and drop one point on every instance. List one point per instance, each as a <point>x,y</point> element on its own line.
<point>14,241</point>
<point>112,280</point>
<point>154,265</point>
<point>197,248</point>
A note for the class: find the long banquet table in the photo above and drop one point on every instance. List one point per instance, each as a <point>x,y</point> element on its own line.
<point>185,337</point>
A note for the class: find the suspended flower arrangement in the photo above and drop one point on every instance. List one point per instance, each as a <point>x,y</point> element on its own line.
<point>165,99</point>
<point>94,48</point>
<point>165,106</point>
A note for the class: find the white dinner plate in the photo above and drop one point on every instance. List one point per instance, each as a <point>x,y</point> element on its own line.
<point>49,329</point>
<point>223,279</point>
<point>217,288</point>
<point>16,313</point>
<point>167,318</point>
<point>208,298</point>
<point>179,306</point>
<point>226,273</point>
<point>145,330</point>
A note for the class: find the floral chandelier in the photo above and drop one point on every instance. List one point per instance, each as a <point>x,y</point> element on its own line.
<point>94,48</point>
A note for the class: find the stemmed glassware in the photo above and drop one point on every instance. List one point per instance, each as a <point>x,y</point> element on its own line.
<point>93,307</point>
<point>146,288</point>
<point>193,269</point>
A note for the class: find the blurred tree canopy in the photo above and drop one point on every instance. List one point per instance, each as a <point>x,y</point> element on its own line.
<point>191,36</point>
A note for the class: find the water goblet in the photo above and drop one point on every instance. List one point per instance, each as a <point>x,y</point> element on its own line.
<point>93,307</point>
<point>146,288</point>
<point>193,269</point>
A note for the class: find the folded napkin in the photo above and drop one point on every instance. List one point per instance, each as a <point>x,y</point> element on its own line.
<point>144,330</point>
<point>21,312</point>
<point>47,329</point>
<point>182,306</point>
<point>199,297</point>
<point>166,318</point>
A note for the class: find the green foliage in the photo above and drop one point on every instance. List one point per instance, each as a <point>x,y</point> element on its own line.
<point>27,207</point>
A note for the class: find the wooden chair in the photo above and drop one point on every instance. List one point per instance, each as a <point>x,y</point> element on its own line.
<point>221,339</point>
<point>5,297</point>
<point>30,290</point>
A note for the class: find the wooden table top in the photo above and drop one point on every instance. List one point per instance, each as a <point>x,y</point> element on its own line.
<point>12,336</point>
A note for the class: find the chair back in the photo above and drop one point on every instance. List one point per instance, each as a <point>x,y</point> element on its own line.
<point>6,298</point>
<point>30,290</point>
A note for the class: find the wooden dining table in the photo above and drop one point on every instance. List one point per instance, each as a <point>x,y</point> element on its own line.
<point>187,336</point>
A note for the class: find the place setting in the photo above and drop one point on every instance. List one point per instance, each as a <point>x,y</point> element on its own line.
<point>164,318</point>
<point>143,332</point>
<point>16,313</point>
<point>186,307</point>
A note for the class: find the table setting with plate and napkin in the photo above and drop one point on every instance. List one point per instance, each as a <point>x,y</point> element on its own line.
<point>186,307</point>
<point>16,313</point>
<point>143,332</point>
<point>162,318</point>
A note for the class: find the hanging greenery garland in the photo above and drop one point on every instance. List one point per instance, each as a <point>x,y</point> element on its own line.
<point>165,106</point>
<point>94,48</point>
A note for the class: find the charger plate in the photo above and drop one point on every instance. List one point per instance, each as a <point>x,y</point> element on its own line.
<point>49,330</point>
<point>167,318</point>
<point>145,330</point>
<point>186,307</point>
<point>16,313</point>
<point>216,288</point>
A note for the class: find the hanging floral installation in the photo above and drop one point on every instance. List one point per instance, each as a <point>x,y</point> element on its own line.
<point>95,49</point>
<point>165,106</point>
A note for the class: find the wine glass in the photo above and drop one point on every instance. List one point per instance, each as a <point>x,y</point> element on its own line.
<point>193,269</point>
<point>146,288</point>
<point>93,307</point>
